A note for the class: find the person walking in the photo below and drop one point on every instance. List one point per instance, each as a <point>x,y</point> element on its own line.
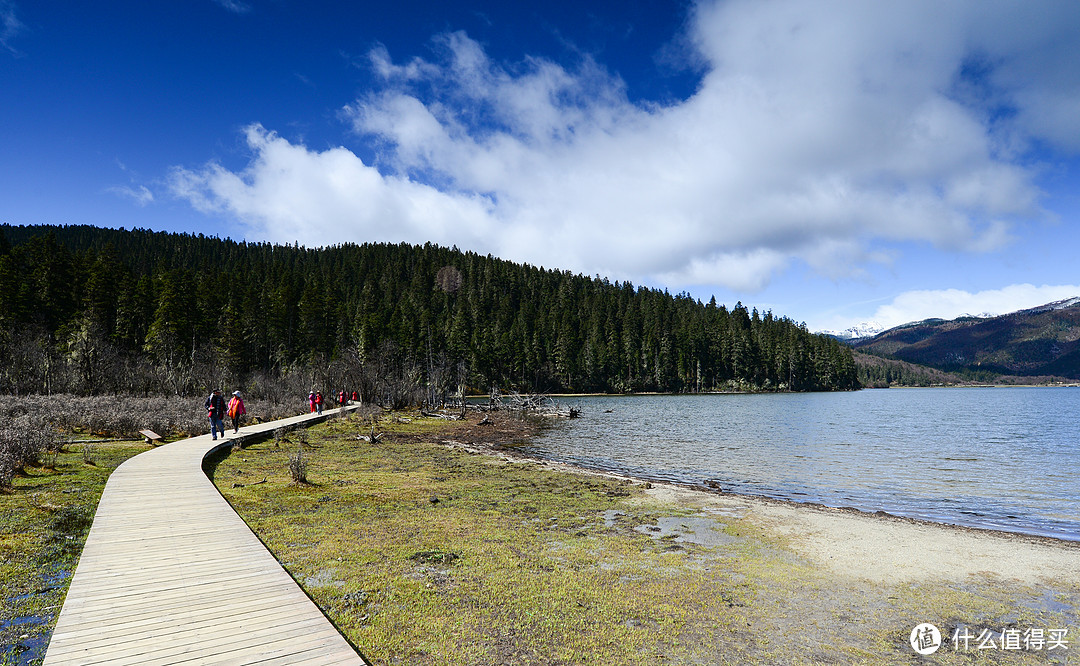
<point>311,402</point>
<point>318,401</point>
<point>215,411</point>
<point>236,410</point>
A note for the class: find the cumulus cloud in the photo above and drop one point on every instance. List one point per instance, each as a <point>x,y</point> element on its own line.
<point>320,198</point>
<point>822,134</point>
<point>952,303</point>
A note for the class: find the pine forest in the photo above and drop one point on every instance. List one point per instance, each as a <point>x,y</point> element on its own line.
<point>87,310</point>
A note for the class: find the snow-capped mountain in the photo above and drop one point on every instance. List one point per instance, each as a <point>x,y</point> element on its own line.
<point>1043,341</point>
<point>1056,305</point>
<point>866,329</point>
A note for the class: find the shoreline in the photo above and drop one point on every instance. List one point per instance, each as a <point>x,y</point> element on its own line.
<point>1060,384</point>
<point>418,546</point>
<point>876,546</point>
<point>707,490</point>
<point>881,547</point>
<point>945,493</point>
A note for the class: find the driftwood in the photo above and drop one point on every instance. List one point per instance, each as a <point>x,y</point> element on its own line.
<point>440,415</point>
<point>372,438</point>
<point>534,403</point>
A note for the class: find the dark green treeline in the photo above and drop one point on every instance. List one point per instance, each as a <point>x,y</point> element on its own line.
<point>92,310</point>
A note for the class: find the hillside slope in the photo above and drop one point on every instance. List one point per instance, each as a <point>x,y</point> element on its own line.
<point>140,311</point>
<point>1042,341</point>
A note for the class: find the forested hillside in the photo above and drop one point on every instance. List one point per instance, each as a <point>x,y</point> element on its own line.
<point>91,310</point>
<point>1040,343</point>
<point>879,372</point>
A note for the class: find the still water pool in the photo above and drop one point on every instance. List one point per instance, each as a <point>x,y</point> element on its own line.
<point>998,458</point>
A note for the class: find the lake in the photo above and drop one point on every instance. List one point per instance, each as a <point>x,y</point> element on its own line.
<point>998,458</point>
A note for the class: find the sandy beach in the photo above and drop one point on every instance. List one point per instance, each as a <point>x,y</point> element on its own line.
<point>874,547</point>
<point>887,549</point>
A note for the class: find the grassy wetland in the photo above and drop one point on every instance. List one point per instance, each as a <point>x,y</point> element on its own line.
<point>56,455</point>
<point>46,515</point>
<point>439,545</point>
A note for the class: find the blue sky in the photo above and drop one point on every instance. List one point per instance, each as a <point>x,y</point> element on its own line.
<point>836,162</point>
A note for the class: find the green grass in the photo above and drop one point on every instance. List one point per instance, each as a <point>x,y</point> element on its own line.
<point>427,554</point>
<point>44,520</point>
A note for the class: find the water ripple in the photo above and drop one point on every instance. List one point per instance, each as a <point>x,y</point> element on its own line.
<point>997,458</point>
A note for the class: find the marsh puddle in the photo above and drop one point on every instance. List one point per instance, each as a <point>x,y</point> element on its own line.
<point>30,638</point>
<point>684,529</point>
<point>31,648</point>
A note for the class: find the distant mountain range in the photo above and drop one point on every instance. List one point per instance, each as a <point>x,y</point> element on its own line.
<point>866,329</point>
<point>1038,342</point>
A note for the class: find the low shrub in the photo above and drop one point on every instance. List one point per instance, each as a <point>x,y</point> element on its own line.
<point>123,416</point>
<point>24,440</point>
<point>298,466</point>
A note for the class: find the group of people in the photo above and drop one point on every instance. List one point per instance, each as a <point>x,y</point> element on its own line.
<point>316,400</point>
<point>216,409</point>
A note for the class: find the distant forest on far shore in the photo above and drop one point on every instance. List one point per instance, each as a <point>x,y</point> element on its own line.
<point>86,310</point>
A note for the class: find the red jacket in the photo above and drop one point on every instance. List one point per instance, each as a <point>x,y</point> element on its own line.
<point>236,407</point>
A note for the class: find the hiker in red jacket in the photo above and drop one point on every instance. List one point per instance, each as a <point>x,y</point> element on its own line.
<point>236,410</point>
<point>318,401</point>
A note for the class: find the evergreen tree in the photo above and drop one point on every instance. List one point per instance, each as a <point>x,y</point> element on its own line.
<point>280,309</point>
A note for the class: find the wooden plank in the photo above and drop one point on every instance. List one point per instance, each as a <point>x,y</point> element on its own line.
<point>171,575</point>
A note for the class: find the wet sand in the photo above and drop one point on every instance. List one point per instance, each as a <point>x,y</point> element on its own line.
<point>875,547</point>
<point>887,549</point>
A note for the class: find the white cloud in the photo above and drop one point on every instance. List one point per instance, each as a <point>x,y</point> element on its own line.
<point>234,6</point>
<point>10,26</point>
<point>319,198</point>
<point>951,303</point>
<point>140,195</point>
<point>820,134</point>
<point>742,271</point>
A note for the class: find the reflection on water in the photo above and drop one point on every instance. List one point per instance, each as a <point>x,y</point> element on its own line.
<point>1001,458</point>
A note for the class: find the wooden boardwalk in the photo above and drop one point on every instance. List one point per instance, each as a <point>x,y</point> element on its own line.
<point>171,575</point>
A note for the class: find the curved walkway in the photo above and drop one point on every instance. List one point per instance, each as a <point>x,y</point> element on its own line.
<point>170,574</point>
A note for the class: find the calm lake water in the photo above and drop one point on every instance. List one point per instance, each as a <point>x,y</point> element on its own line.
<point>1000,458</point>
